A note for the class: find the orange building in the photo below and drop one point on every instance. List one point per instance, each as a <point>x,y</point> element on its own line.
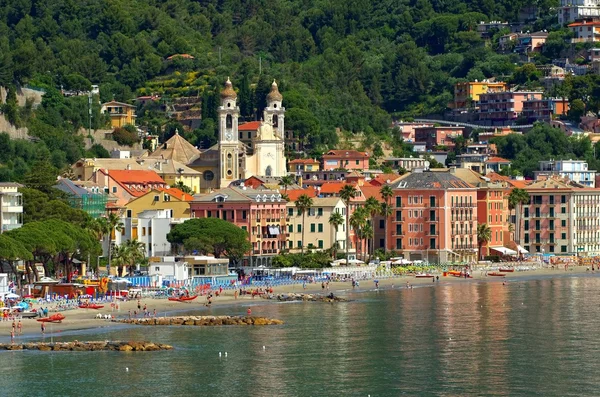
<point>345,159</point>
<point>121,114</point>
<point>435,218</point>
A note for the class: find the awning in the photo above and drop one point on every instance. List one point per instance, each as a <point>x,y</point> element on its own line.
<point>522,250</point>
<point>273,230</point>
<point>504,250</point>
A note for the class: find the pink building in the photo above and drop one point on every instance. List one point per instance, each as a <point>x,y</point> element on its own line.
<point>345,159</point>
<point>434,218</point>
<point>504,106</point>
<point>438,136</point>
<point>259,212</point>
<point>407,130</point>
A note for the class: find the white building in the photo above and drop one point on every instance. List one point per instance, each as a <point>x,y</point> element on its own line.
<point>168,268</point>
<point>571,10</point>
<point>575,170</point>
<point>150,228</point>
<point>11,206</point>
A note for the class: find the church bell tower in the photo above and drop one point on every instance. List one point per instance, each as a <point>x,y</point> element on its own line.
<point>228,136</point>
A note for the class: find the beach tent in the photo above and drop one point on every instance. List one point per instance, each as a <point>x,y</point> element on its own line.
<point>504,250</point>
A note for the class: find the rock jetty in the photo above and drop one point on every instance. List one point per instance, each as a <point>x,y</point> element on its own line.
<point>202,321</point>
<point>309,298</point>
<point>120,346</point>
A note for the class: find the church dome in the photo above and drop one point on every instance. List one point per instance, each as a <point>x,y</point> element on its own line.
<point>228,91</point>
<point>274,95</point>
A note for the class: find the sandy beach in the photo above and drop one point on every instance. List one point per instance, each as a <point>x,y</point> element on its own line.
<point>78,319</point>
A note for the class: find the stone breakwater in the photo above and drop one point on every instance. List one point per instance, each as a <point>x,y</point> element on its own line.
<point>88,346</point>
<point>308,298</point>
<point>202,321</point>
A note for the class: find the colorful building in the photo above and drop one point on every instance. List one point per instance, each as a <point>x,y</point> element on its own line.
<point>304,165</point>
<point>574,170</point>
<point>504,106</point>
<point>545,109</point>
<point>468,92</point>
<point>121,114</point>
<point>173,200</point>
<point>438,136</point>
<point>572,10</point>
<point>262,213</point>
<point>345,159</point>
<point>127,184</point>
<point>435,218</point>
<point>585,31</point>
<point>318,232</point>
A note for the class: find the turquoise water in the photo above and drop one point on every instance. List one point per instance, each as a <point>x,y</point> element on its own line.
<point>531,337</point>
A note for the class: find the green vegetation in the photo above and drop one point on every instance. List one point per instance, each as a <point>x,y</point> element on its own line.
<point>307,260</point>
<point>543,142</point>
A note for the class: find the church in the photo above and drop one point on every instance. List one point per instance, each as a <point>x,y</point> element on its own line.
<point>253,148</point>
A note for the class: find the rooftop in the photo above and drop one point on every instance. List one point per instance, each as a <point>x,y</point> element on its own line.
<point>346,154</point>
<point>249,126</point>
<point>431,180</point>
<point>178,149</point>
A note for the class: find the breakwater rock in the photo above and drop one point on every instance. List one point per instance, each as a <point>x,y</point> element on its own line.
<point>202,321</point>
<point>309,298</point>
<point>121,346</point>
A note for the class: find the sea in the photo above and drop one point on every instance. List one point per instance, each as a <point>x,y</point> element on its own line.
<point>535,336</point>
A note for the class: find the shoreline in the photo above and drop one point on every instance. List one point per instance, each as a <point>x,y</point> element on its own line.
<point>84,319</point>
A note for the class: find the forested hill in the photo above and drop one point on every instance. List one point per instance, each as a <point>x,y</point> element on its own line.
<point>340,63</point>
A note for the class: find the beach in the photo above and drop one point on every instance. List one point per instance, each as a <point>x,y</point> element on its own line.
<point>78,319</point>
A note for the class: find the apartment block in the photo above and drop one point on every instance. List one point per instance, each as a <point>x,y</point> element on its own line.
<point>504,106</point>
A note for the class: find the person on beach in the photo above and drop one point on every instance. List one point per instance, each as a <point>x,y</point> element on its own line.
<point>20,327</point>
<point>12,336</point>
<point>14,325</point>
<point>154,315</point>
<point>437,278</point>
<point>130,314</point>
<point>43,328</point>
<point>235,294</point>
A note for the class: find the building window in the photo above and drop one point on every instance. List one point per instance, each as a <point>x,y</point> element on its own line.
<point>526,225</point>
<point>208,176</point>
<point>432,201</point>
<point>551,248</point>
<point>551,199</point>
<point>563,223</point>
<point>128,213</point>
<point>291,228</point>
<point>320,228</point>
<point>209,214</point>
<point>399,230</point>
<point>244,228</point>
<point>381,223</point>
<point>320,243</point>
<point>290,244</point>
<point>526,212</point>
<point>563,248</point>
<point>398,216</point>
<point>320,212</point>
<point>299,228</point>
<point>563,236</point>
<point>299,243</point>
<point>398,201</point>
<point>114,189</point>
<point>290,212</point>
<point>398,243</point>
<point>563,200</point>
<point>563,210</point>
<point>312,227</point>
<point>244,214</point>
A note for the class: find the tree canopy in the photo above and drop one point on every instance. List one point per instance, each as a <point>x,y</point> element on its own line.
<point>211,236</point>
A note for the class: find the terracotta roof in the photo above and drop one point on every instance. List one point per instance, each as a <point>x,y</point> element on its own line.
<point>495,177</point>
<point>135,176</point>
<point>250,126</point>
<point>178,149</point>
<point>303,161</point>
<point>294,194</point>
<point>117,103</point>
<point>346,154</point>
<point>333,187</point>
<point>371,191</point>
<point>431,180</point>
<point>177,193</point>
<point>497,160</point>
<point>576,24</point>
<point>384,178</point>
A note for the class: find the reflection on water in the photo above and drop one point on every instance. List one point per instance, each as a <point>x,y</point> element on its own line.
<point>535,337</point>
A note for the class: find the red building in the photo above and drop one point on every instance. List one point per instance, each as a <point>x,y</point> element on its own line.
<point>438,136</point>
<point>345,159</point>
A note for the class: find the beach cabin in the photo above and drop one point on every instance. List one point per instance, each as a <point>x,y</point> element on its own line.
<point>209,270</point>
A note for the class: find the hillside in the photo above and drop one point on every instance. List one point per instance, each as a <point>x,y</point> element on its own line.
<point>342,64</point>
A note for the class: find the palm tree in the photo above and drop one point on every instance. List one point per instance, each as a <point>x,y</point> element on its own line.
<point>347,193</point>
<point>516,199</point>
<point>113,225</point>
<point>136,252</point>
<point>303,203</point>
<point>484,235</point>
<point>358,220</point>
<point>367,233</point>
<point>286,181</point>
<point>386,193</point>
<point>335,220</point>
<point>373,207</point>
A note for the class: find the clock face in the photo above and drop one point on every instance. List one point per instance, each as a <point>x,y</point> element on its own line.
<point>228,136</point>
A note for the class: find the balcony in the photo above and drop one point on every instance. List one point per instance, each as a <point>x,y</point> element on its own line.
<point>12,208</point>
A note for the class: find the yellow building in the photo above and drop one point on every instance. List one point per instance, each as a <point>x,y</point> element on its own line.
<point>161,199</point>
<point>120,113</point>
<point>318,232</point>
<point>470,90</point>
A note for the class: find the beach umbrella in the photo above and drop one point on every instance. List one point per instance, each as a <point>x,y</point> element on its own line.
<point>12,296</point>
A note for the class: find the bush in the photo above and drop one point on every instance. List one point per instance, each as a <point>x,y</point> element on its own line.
<point>125,136</point>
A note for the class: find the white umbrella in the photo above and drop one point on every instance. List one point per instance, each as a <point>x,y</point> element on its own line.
<point>122,280</point>
<point>12,296</point>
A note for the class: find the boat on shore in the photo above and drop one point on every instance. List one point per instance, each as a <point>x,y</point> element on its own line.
<point>90,306</point>
<point>29,314</point>
<point>55,318</point>
<point>506,269</point>
<point>182,298</point>
<point>496,274</point>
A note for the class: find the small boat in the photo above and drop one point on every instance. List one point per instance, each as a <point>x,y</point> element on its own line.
<point>55,318</point>
<point>506,270</point>
<point>424,275</point>
<point>182,298</point>
<point>497,274</point>
<point>90,306</point>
